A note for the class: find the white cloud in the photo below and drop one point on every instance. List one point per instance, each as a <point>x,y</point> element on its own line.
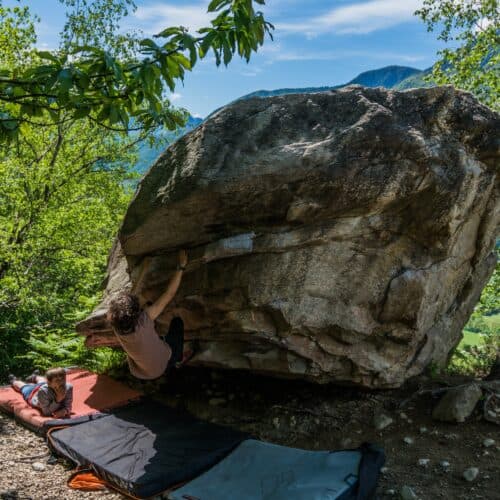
<point>154,17</point>
<point>483,24</point>
<point>343,54</point>
<point>175,96</point>
<point>359,18</point>
<point>277,52</point>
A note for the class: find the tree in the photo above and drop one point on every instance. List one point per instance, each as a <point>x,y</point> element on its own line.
<point>473,26</point>
<point>63,193</point>
<point>65,181</point>
<point>63,190</point>
<point>88,80</point>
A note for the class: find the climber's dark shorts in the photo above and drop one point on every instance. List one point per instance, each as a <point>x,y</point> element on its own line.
<point>175,339</point>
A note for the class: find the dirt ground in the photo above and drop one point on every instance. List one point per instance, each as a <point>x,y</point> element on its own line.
<point>302,415</point>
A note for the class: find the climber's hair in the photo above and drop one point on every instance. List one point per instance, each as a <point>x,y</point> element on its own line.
<point>124,313</point>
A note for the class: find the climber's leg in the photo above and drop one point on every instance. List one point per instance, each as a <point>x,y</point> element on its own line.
<point>175,339</point>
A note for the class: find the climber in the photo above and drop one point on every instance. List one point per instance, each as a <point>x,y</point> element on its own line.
<point>148,354</point>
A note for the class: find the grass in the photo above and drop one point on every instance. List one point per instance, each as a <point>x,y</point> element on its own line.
<point>478,347</point>
<point>493,322</point>
<point>471,338</point>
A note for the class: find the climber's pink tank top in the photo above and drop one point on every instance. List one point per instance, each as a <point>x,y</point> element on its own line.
<point>147,354</point>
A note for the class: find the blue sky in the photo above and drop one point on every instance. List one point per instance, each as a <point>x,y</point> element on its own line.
<point>316,43</point>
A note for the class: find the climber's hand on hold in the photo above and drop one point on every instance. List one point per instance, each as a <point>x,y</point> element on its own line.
<point>183,258</point>
<point>165,298</point>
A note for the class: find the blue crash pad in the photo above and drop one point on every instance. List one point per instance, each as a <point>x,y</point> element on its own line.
<point>263,471</point>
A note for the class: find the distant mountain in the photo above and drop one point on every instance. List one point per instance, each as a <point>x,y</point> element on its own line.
<point>383,77</point>
<point>148,154</point>
<point>415,81</point>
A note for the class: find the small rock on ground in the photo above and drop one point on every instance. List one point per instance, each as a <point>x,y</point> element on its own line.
<point>471,473</point>
<point>458,403</point>
<point>407,493</point>
<point>381,421</point>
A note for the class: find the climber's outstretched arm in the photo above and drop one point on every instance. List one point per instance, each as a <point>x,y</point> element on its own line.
<point>154,310</point>
<point>136,288</point>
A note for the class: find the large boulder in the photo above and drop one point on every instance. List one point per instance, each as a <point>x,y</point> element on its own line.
<point>341,236</point>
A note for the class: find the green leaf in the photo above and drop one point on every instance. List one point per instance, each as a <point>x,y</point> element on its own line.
<point>45,54</point>
<point>81,112</point>
<point>227,52</point>
<point>65,79</point>
<point>216,5</point>
<point>189,44</point>
<point>169,32</point>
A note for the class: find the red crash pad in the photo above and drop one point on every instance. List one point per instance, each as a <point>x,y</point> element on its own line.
<point>92,394</point>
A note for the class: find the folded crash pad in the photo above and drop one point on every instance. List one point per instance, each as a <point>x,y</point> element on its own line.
<point>92,394</point>
<point>146,448</point>
<point>265,471</point>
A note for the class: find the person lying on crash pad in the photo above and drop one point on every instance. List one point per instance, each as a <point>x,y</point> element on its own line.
<point>148,354</point>
<point>50,394</point>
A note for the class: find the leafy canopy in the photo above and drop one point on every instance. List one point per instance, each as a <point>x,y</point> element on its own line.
<point>63,190</point>
<point>473,29</point>
<point>125,89</point>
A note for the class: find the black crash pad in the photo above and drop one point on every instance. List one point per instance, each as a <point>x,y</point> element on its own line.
<point>146,448</point>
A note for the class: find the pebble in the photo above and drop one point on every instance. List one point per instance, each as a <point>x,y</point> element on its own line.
<point>470,474</point>
<point>408,440</point>
<point>381,421</point>
<point>384,470</point>
<point>423,430</point>
<point>216,401</point>
<point>276,422</point>
<point>407,493</point>
<point>423,462</point>
<point>488,442</point>
<point>390,492</point>
<point>293,421</point>
<point>403,415</point>
<point>444,464</point>
<point>38,466</point>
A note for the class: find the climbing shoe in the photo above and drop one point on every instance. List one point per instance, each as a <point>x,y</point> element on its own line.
<point>32,378</point>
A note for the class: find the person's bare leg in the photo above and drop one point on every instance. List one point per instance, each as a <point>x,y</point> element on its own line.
<point>39,379</point>
<point>17,384</point>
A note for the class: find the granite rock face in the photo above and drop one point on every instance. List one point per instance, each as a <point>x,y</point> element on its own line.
<point>341,236</point>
